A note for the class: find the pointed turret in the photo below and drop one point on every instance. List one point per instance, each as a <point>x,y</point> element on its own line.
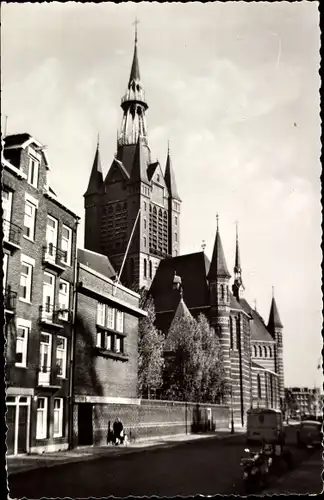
<point>274,318</point>
<point>170,178</point>
<point>135,72</point>
<point>96,177</point>
<point>139,169</point>
<point>182,311</point>
<point>218,267</point>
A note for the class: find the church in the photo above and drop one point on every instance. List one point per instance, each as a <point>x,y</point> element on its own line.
<point>133,217</point>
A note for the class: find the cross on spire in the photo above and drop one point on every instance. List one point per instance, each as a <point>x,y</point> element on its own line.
<point>203,245</point>
<point>135,23</point>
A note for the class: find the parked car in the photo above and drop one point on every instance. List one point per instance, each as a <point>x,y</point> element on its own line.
<point>309,433</point>
<point>265,426</point>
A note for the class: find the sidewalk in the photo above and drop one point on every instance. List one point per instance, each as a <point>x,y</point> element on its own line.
<point>22,463</point>
<point>304,480</point>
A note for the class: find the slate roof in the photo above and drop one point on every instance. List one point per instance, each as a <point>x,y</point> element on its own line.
<point>151,169</point>
<point>218,266</point>
<point>192,269</point>
<point>97,262</point>
<point>274,318</point>
<point>169,178</point>
<point>234,304</point>
<point>96,176</point>
<point>259,330</point>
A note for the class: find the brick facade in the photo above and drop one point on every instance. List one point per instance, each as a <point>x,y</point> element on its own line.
<point>25,385</point>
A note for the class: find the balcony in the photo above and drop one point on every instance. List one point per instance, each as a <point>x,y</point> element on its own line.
<point>54,257</point>
<point>9,301</point>
<point>49,315</point>
<point>48,377</point>
<point>11,235</point>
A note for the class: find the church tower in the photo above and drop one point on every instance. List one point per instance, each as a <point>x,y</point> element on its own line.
<point>238,284</point>
<point>218,280</point>
<point>275,328</point>
<point>136,201</point>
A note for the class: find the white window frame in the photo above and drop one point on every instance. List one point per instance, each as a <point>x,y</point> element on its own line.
<point>51,254</point>
<point>68,250</point>
<point>30,264</point>
<point>59,412</point>
<point>5,269</point>
<point>118,343</point>
<point>45,377</point>
<point>111,317</point>
<point>108,341</point>
<point>6,206</point>
<point>99,338</point>
<point>41,433</point>
<point>25,325</point>
<point>64,304</point>
<point>64,358</point>
<point>30,220</point>
<point>101,314</point>
<point>33,181</point>
<point>119,321</point>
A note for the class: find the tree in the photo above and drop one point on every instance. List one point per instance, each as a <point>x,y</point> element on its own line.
<point>150,349</point>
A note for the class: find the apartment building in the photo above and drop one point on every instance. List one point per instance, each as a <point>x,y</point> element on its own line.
<point>39,264</point>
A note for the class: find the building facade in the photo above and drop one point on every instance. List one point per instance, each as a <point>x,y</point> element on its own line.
<point>137,197</point>
<point>308,401</point>
<point>105,377</point>
<point>39,242</point>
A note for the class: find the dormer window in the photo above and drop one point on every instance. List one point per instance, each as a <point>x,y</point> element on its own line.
<point>158,178</point>
<point>33,171</point>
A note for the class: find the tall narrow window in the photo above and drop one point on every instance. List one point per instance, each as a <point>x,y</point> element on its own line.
<point>21,343</point>
<point>238,333</point>
<point>58,417</point>
<point>48,296</point>
<point>33,169</point>
<point>259,386</point>
<point>61,352</point>
<point>176,220</point>
<point>51,237</point>
<point>231,333</point>
<point>145,268</point>
<point>150,269</point>
<point>45,358</point>
<point>119,321</point>
<point>110,317</point>
<point>66,244</point>
<point>26,281</point>
<point>29,220</point>
<point>265,351</point>
<point>255,351</point>
<point>101,314</point>
<point>260,351</point>
<point>175,237</point>
<point>41,423</point>
<point>64,299</point>
<point>144,241</point>
<point>5,270</point>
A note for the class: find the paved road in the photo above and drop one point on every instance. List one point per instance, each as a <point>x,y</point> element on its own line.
<point>206,466</point>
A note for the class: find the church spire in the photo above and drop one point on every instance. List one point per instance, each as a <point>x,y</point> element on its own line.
<point>169,178</point>
<point>134,106</point>
<point>218,267</point>
<point>96,176</point>
<point>238,284</point>
<point>274,318</point>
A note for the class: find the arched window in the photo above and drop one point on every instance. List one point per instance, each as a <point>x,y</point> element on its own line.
<point>260,351</point>
<point>160,213</point>
<point>259,386</point>
<point>255,353</point>
<point>154,210</point>
<point>265,350</point>
<point>231,333</point>
<point>144,206</point>
<point>270,352</point>
<point>227,292</point>
<point>150,269</point>
<point>222,292</point>
<point>150,208</point>
<point>145,268</point>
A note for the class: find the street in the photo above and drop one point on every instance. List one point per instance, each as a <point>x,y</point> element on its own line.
<point>206,467</point>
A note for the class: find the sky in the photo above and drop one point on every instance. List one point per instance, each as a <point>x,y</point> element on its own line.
<point>234,87</point>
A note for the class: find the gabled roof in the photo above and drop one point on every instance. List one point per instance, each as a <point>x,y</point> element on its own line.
<point>96,176</point>
<point>259,330</point>
<point>16,140</point>
<point>169,178</point>
<point>24,140</point>
<point>97,262</point>
<point>192,269</point>
<point>218,267</point>
<point>116,165</point>
<point>274,318</point>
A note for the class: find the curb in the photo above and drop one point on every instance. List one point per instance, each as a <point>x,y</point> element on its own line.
<point>113,452</point>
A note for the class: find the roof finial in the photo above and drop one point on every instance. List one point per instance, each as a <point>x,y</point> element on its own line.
<point>272,291</point>
<point>236,224</point>
<point>217,222</point>
<point>98,140</point>
<point>168,147</point>
<point>135,24</point>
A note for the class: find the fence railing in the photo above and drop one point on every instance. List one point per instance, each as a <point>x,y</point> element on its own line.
<point>11,232</point>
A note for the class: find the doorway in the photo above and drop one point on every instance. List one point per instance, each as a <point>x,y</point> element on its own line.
<point>17,420</point>
<point>85,424</point>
